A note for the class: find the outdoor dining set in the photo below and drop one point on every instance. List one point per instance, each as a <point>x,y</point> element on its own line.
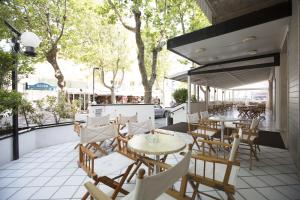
<point>108,146</point>
<point>251,111</point>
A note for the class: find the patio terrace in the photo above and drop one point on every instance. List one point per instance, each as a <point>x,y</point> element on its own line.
<point>52,173</point>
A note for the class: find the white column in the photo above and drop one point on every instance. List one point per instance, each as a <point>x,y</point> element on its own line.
<point>189,94</point>
<point>198,93</point>
<point>206,98</point>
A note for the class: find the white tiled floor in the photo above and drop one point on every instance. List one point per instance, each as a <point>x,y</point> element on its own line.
<point>52,173</point>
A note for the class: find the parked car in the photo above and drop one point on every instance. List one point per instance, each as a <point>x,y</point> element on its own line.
<point>159,111</point>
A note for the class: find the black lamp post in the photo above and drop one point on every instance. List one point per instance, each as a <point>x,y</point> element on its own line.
<point>95,68</point>
<point>29,41</point>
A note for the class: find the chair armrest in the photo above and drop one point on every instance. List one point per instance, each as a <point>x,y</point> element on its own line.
<point>88,152</point>
<point>212,142</point>
<point>77,127</point>
<point>123,139</point>
<point>209,159</point>
<point>95,192</point>
<point>214,159</point>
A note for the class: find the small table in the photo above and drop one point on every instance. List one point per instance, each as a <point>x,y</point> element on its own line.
<point>156,144</point>
<point>222,119</point>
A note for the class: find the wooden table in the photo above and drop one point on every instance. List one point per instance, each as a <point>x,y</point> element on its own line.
<point>222,119</point>
<point>156,144</point>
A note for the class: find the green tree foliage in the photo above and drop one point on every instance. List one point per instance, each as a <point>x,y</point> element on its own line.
<point>152,22</point>
<point>98,44</point>
<point>60,108</point>
<point>180,95</point>
<point>9,100</point>
<point>7,62</point>
<point>46,18</point>
<point>26,109</point>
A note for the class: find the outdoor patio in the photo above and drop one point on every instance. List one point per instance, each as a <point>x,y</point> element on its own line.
<point>52,173</point>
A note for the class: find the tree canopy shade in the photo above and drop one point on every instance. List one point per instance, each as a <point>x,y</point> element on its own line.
<point>153,22</point>
<point>97,43</point>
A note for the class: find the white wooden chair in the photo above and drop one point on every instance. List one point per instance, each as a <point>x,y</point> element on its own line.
<point>214,169</point>
<point>92,124</point>
<point>102,168</point>
<point>204,115</point>
<point>150,187</point>
<point>250,133</point>
<point>135,128</point>
<point>199,129</point>
<point>95,136</point>
<point>98,121</point>
<point>122,122</point>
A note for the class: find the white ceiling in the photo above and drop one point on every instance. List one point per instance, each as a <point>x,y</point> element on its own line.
<point>228,79</point>
<point>269,38</point>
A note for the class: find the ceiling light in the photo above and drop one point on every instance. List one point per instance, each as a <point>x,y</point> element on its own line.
<point>200,50</point>
<point>253,52</point>
<point>248,39</point>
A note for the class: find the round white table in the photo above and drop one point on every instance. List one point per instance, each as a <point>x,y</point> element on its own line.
<point>156,144</point>
<point>222,119</point>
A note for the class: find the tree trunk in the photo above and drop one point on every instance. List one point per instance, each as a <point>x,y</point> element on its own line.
<point>25,116</point>
<point>51,56</point>
<point>141,59</point>
<point>148,95</point>
<point>113,95</point>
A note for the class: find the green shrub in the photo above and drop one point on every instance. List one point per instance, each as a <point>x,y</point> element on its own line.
<point>26,109</point>
<point>180,95</point>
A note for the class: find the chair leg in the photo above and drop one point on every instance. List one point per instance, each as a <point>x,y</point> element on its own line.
<point>195,142</point>
<point>195,193</point>
<point>195,188</point>
<point>257,145</point>
<point>134,171</point>
<point>254,152</point>
<point>230,196</point>
<point>77,145</point>
<point>183,186</point>
<point>250,159</point>
<point>119,187</point>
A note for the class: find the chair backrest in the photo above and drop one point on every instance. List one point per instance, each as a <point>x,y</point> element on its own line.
<point>235,145</point>
<point>97,134</point>
<point>122,120</point>
<point>204,115</point>
<point>135,128</point>
<point>98,121</point>
<point>151,187</point>
<point>193,118</point>
<point>254,123</point>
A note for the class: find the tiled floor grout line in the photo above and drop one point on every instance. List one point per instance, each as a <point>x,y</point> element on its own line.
<point>69,163</point>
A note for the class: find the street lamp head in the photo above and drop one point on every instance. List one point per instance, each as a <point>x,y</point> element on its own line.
<point>30,41</point>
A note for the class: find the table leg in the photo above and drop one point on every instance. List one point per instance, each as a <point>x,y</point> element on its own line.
<point>157,167</point>
<point>222,131</point>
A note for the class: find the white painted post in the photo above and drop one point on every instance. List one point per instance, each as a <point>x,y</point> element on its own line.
<point>189,94</point>
<point>206,98</point>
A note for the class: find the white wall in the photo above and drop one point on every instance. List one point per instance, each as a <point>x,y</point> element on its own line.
<point>293,84</point>
<point>56,135</point>
<point>144,111</point>
<point>180,114</point>
<point>37,139</point>
<point>277,98</point>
